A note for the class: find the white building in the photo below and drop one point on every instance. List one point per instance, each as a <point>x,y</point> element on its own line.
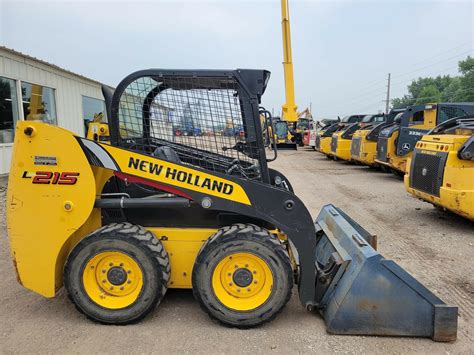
<point>32,89</point>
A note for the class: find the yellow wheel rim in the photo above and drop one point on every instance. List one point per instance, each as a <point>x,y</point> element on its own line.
<point>242,281</point>
<point>112,279</point>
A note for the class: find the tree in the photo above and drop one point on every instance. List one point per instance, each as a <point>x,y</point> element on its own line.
<point>441,88</point>
<point>466,87</point>
<point>405,101</point>
<point>451,93</point>
<point>429,93</point>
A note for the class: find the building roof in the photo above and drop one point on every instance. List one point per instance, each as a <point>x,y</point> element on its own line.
<point>54,66</point>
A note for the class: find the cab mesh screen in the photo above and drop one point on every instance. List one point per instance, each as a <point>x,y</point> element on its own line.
<point>198,119</point>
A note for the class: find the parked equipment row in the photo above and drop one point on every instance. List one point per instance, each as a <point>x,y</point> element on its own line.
<point>431,145</point>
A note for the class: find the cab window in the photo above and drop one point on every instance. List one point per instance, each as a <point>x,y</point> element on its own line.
<point>446,113</point>
<point>418,117</point>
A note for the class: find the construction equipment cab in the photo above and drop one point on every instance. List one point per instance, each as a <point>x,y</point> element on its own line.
<point>341,138</point>
<point>325,137</point>
<point>396,142</point>
<point>285,136</point>
<point>118,224</point>
<point>364,140</point>
<point>441,170</point>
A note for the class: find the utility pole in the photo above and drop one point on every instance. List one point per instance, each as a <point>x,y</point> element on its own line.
<point>387,102</point>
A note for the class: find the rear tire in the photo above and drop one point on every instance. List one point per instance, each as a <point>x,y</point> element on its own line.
<point>242,276</point>
<point>118,274</point>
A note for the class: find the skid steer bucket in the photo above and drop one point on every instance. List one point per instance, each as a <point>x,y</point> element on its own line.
<point>360,292</point>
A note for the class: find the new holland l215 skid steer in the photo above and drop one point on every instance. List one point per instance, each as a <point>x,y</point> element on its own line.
<point>119,222</point>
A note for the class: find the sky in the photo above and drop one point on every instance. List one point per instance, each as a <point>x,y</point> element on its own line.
<point>342,50</point>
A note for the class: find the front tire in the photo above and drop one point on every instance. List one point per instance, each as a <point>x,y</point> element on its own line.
<point>242,276</point>
<point>118,274</point>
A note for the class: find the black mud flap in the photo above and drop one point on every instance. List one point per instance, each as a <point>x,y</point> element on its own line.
<point>360,292</point>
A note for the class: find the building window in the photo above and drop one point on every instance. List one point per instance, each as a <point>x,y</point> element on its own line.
<point>38,103</point>
<point>92,108</point>
<point>8,109</point>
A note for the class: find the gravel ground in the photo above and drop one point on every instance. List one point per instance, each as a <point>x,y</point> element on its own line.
<point>436,247</point>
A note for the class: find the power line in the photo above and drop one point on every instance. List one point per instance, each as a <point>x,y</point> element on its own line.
<point>406,81</point>
<point>464,91</point>
<point>449,50</point>
<point>427,66</point>
<point>470,90</point>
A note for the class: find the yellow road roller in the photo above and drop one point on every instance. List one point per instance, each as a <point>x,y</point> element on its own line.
<point>118,223</point>
<point>441,170</point>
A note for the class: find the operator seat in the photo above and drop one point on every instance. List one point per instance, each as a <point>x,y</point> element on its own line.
<point>167,153</point>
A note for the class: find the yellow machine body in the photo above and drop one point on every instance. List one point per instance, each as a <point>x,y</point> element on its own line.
<point>367,149</point>
<point>340,147</point>
<point>325,145</point>
<point>39,261</point>
<point>399,163</point>
<point>457,190</point>
<point>98,132</point>
<point>97,129</point>
<point>38,164</point>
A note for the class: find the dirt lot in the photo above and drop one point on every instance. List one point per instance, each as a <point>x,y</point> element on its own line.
<point>436,247</point>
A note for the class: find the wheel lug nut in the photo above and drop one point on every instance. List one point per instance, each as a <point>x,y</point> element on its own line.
<point>229,274</point>
<point>246,265</point>
<point>111,288</point>
<point>121,264</point>
<point>92,266</point>
<point>248,290</point>
<point>122,288</point>
<point>255,282</point>
<point>111,264</point>
<point>129,271</point>
<point>230,283</point>
<point>236,266</point>
<point>104,281</point>
<point>104,271</point>
<point>255,271</point>
<point>238,290</point>
<point>129,281</point>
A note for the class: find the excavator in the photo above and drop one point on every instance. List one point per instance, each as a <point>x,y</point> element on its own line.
<point>341,140</point>
<point>396,142</point>
<point>118,223</point>
<point>441,169</point>
<point>364,140</point>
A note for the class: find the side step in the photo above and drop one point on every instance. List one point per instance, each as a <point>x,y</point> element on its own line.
<point>360,292</point>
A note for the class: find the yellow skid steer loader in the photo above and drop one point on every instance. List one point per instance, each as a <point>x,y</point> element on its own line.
<point>441,170</point>
<point>396,142</point>
<point>119,223</point>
